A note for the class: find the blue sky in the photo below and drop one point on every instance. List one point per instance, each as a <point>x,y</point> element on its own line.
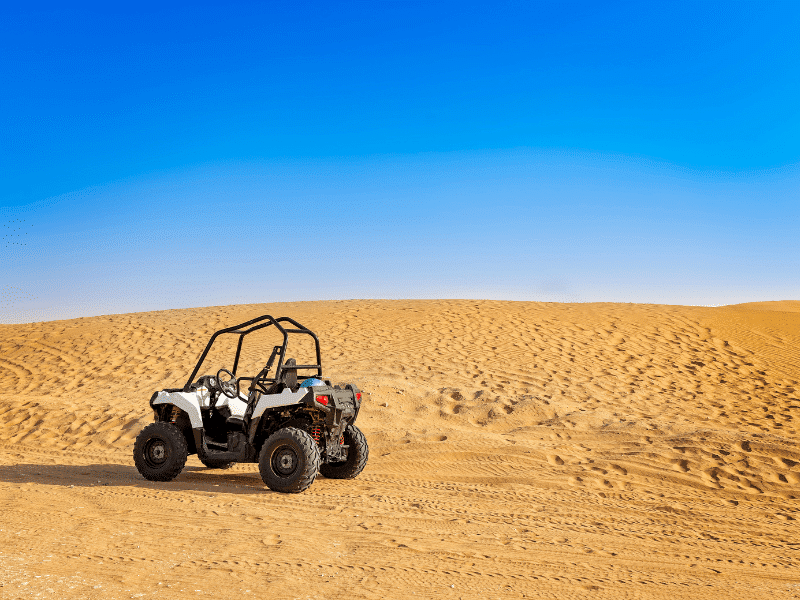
<point>160,157</point>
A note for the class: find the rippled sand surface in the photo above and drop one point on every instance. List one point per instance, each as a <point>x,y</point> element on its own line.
<point>516,450</point>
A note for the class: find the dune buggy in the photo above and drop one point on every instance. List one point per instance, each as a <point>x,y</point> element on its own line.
<point>293,425</point>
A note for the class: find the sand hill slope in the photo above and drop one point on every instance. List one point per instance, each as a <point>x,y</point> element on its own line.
<point>517,450</point>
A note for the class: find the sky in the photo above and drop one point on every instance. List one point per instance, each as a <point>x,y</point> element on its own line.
<point>171,155</point>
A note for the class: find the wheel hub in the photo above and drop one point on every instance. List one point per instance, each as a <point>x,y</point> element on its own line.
<point>285,461</point>
<point>157,452</point>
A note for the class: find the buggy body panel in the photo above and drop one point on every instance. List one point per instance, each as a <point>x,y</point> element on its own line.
<point>192,403</point>
<point>285,398</point>
<point>186,401</point>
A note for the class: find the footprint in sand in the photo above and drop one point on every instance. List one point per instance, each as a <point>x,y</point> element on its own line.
<point>272,540</point>
<point>681,465</point>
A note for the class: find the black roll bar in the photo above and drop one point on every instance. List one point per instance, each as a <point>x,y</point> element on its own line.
<point>252,325</point>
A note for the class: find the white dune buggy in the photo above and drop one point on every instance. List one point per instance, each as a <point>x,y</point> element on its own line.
<point>293,426</point>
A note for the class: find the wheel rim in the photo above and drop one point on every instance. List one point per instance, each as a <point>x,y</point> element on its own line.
<point>285,461</point>
<point>156,452</point>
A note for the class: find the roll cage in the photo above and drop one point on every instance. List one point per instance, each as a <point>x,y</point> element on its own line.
<point>262,379</point>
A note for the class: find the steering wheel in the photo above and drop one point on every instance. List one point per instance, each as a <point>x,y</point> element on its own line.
<point>227,387</point>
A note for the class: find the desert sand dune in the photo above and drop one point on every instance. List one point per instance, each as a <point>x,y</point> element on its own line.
<point>516,450</point>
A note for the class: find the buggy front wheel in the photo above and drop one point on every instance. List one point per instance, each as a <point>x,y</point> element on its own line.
<point>160,452</point>
<point>289,460</point>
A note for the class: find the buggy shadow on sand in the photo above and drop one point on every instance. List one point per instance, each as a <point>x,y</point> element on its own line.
<point>294,426</point>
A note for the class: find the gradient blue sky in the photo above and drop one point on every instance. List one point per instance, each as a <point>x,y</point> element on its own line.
<point>197,154</point>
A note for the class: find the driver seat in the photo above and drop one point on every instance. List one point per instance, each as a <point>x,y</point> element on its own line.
<point>287,380</point>
<point>289,377</point>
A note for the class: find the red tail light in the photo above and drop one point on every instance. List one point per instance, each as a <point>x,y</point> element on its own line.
<point>323,400</point>
<point>358,396</point>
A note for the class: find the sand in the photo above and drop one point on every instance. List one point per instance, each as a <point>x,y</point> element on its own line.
<point>517,450</point>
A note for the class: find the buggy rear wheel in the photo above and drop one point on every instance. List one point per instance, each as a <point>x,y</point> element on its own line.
<point>160,452</point>
<point>357,455</point>
<point>289,460</point>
